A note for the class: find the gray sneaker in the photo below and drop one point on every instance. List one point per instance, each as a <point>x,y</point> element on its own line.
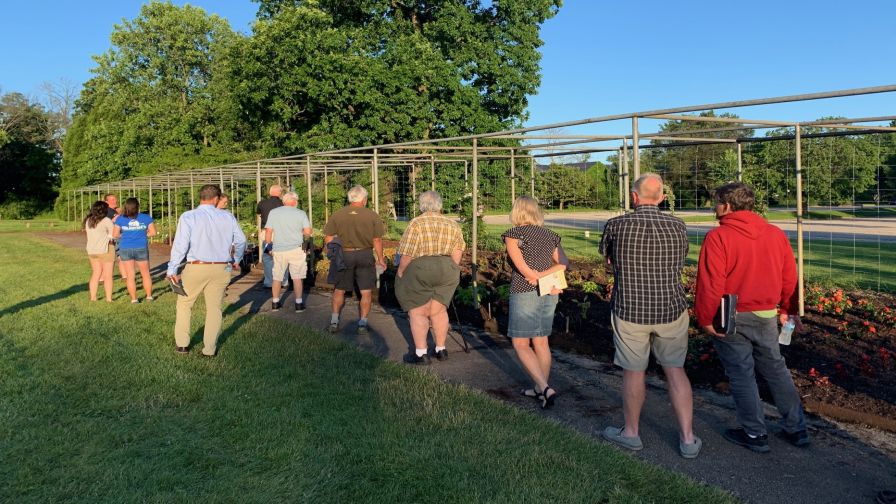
<point>690,451</point>
<point>614,435</point>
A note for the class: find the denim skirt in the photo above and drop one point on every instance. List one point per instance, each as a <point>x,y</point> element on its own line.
<point>531,315</point>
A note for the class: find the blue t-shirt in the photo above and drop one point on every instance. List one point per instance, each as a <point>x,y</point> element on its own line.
<point>133,231</point>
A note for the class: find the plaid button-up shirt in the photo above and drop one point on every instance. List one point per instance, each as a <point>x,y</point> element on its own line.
<point>647,249</point>
<point>431,234</point>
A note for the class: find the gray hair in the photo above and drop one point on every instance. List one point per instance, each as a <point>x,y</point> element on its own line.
<point>430,201</point>
<point>275,190</point>
<point>290,196</point>
<point>357,194</point>
<point>648,193</point>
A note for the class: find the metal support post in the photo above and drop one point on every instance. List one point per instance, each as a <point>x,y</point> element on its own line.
<point>740,163</point>
<point>260,236</point>
<point>432,173</point>
<point>512,176</point>
<point>376,180</point>
<point>308,189</point>
<point>627,183</point>
<point>326,195</point>
<point>636,148</point>
<point>532,176</point>
<point>474,268</point>
<point>799,217</point>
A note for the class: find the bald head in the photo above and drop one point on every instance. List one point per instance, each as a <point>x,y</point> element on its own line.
<point>648,189</point>
<point>276,191</point>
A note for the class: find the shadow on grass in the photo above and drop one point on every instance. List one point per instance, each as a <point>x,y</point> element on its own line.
<point>49,298</point>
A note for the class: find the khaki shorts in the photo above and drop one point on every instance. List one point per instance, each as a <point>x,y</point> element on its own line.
<point>634,341</point>
<point>294,259</point>
<point>108,257</point>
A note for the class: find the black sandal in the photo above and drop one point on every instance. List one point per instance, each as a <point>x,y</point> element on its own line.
<point>547,400</point>
<point>531,393</point>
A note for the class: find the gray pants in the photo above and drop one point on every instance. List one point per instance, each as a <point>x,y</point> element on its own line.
<point>755,348</point>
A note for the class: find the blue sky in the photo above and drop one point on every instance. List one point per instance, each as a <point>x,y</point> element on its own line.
<point>600,58</point>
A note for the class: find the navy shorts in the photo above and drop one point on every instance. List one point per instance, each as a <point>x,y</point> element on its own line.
<point>531,315</point>
<point>134,254</point>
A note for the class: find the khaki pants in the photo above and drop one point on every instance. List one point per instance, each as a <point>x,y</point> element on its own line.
<point>210,280</point>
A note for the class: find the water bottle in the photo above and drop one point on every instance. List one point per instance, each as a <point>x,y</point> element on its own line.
<point>787,331</point>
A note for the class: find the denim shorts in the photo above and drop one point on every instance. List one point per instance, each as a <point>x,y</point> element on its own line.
<point>134,254</point>
<point>531,315</point>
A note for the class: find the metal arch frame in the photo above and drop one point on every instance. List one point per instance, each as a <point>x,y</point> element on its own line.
<point>479,147</point>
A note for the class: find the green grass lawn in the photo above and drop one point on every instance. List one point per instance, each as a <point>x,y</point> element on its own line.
<point>12,226</point>
<point>95,405</point>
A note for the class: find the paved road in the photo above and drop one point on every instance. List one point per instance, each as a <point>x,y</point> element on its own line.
<point>860,229</point>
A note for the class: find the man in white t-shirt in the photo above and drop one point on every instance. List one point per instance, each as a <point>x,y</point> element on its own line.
<point>286,229</point>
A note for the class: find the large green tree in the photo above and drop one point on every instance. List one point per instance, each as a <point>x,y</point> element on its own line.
<point>329,74</point>
<point>29,162</point>
<point>156,100</point>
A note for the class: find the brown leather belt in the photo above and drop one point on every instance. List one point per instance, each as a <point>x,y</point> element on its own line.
<point>206,262</point>
<point>354,249</point>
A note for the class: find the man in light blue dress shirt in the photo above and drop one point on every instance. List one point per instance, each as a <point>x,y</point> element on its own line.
<point>212,243</point>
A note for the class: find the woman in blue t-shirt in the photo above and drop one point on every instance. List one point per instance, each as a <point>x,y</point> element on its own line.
<point>132,229</point>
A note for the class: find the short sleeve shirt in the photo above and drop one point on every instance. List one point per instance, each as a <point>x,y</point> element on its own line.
<point>133,231</point>
<point>287,223</point>
<point>537,245</point>
<point>355,226</point>
<point>647,249</point>
<point>431,234</point>
<point>98,236</point>
<point>265,206</point>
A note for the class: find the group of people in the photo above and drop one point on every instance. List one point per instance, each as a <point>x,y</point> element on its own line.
<point>646,249</point>
<point>122,234</point>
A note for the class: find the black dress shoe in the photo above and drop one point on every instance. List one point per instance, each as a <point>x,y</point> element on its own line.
<point>442,354</point>
<point>798,438</point>
<point>300,307</point>
<point>182,349</point>
<point>420,360</point>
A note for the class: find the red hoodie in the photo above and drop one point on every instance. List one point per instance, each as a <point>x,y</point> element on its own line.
<point>749,257</point>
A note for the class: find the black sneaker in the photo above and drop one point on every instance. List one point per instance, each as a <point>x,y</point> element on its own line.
<point>300,307</point>
<point>442,354</point>
<point>740,437</point>
<point>334,328</point>
<point>413,358</point>
<point>276,305</point>
<point>362,328</point>
<point>798,438</point>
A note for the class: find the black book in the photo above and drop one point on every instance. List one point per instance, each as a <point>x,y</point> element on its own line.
<point>728,313</point>
<point>177,287</point>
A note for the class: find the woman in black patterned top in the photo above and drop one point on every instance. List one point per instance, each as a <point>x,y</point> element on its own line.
<point>534,252</point>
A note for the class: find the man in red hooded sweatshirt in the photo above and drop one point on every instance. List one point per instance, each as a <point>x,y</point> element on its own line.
<point>751,258</point>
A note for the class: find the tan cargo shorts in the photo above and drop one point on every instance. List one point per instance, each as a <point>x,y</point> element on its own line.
<point>634,342</point>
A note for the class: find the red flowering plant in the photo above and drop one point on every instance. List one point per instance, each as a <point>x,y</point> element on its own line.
<point>833,302</point>
<point>818,379</point>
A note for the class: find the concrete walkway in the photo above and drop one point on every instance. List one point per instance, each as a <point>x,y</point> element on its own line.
<point>843,464</point>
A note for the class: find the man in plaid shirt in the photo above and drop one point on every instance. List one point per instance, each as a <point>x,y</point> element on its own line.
<point>647,250</point>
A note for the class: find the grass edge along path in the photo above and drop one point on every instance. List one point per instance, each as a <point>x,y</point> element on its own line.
<point>96,406</point>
